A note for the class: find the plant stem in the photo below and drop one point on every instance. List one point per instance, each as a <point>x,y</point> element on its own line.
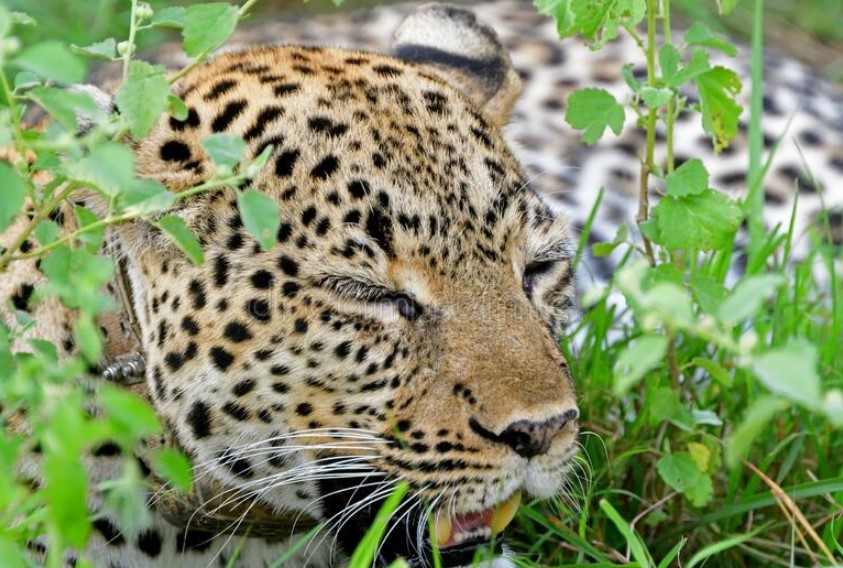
<point>672,103</point>
<point>673,363</point>
<point>242,13</point>
<point>647,163</point>
<point>244,9</point>
<point>754,204</point>
<point>133,28</point>
<point>109,220</point>
<point>42,213</point>
<point>86,229</point>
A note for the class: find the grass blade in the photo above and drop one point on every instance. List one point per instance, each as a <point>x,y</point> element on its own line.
<point>721,546</point>
<point>636,546</point>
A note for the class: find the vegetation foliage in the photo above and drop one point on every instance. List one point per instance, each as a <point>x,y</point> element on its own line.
<point>712,406</point>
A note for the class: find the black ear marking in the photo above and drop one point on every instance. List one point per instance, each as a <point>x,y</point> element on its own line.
<point>490,72</point>
<point>464,52</point>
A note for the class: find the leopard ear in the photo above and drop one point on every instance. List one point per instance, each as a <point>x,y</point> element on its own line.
<point>462,51</point>
<point>103,105</point>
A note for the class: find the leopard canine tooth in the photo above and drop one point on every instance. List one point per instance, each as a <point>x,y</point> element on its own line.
<point>442,529</point>
<point>504,512</point>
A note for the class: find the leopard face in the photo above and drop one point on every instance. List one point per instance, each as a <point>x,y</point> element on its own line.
<point>404,327</point>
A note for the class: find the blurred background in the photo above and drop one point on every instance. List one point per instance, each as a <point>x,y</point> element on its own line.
<point>809,30</point>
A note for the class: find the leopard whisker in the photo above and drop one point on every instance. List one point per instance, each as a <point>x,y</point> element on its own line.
<point>254,493</point>
<point>296,475</point>
<point>338,520</point>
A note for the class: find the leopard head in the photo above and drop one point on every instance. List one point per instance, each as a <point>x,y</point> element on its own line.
<point>404,327</point>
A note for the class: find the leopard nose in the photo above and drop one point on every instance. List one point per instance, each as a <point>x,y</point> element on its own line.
<point>529,438</point>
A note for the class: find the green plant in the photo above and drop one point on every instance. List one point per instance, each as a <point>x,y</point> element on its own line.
<point>703,376</point>
<point>46,399</point>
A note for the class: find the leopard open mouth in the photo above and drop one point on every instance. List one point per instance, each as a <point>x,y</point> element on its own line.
<point>453,530</point>
<point>454,538</point>
<point>459,537</point>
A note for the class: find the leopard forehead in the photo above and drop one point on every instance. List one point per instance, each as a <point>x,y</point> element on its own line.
<point>361,141</point>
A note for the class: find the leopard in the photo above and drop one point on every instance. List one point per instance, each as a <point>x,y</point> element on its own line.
<point>405,326</point>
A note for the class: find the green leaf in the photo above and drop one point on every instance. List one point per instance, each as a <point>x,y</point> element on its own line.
<point>144,97</point>
<point>701,493</point>
<point>748,296</point>
<point>26,80</point>
<point>680,472</point>
<point>721,113</point>
<point>65,491</point>
<point>181,235</point>
<point>131,414</point>
<point>64,105</point>
<point>697,65</point>
<point>144,197</point>
<point>224,149</point>
<point>12,195</point>
<point>715,369</point>
<point>51,60</point>
<point>791,372</point>
<point>21,19</point>
<point>757,417</point>
<point>124,498</point>
<point>701,34</point>
<point>705,417</point>
<point>605,249</point>
<point>594,110</point>
<point>599,20</point>
<point>691,178</point>
<point>700,454</point>
<point>174,466</point>
<point>46,231</point>
<point>655,97</point>
<point>662,274</point>
<point>172,17</point>
<point>85,217</point>
<point>628,74</point>
<point>708,291</point>
<point>11,554</point>
<point>642,355</point>
<point>559,10</point>
<point>105,49</point>
<point>208,26</point>
<point>664,405</point>
<point>669,60</point>
<point>833,407</point>
<point>706,221</point>
<point>726,6</point>
<point>260,216</point>
<point>109,169</point>
<point>5,21</point>
<point>88,338</point>
<point>177,108</point>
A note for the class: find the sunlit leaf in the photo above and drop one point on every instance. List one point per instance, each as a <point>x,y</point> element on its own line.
<point>260,216</point>
<point>791,372</point>
<point>593,111</point>
<point>644,354</point>
<point>208,26</point>
<point>181,235</point>
<point>51,60</point>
